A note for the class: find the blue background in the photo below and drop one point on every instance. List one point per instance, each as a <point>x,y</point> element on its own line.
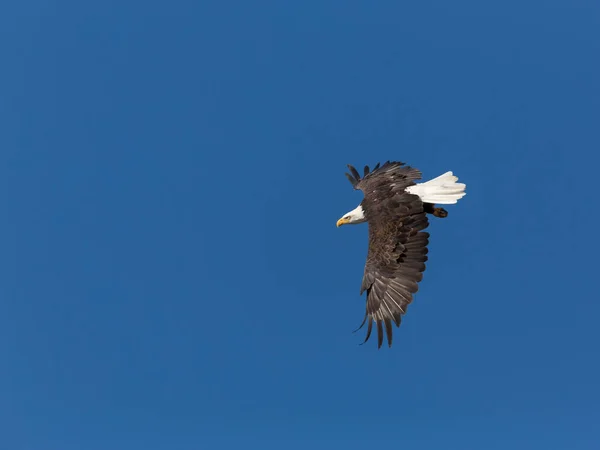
<point>171,175</point>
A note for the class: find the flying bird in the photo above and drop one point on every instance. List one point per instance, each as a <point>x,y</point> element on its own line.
<point>396,209</point>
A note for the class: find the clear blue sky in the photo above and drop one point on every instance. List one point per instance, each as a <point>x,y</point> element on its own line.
<point>171,273</point>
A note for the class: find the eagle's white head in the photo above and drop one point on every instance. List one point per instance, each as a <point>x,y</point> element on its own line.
<point>355,216</point>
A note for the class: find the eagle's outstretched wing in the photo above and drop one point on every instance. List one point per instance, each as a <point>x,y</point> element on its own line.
<point>397,243</point>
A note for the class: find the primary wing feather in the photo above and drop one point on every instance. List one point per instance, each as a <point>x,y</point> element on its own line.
<point>397,244</point>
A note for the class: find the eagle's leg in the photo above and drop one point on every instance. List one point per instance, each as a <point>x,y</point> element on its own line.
<point>430,208</point>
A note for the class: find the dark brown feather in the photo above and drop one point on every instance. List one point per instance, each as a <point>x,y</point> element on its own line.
<point>388,331</point>
<point>379,334</point>
<point>354,172</point>
<point>352,180</point>
<point>369,329</point>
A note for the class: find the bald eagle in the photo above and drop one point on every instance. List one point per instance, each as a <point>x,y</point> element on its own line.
<point>396,210</point>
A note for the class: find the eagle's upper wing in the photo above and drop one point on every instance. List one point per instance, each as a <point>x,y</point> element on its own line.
<point>397,244</point>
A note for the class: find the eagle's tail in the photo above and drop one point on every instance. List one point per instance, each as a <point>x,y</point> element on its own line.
<point>443,190</point>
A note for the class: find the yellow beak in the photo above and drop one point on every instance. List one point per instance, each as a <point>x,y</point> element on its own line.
<point>341,222</point>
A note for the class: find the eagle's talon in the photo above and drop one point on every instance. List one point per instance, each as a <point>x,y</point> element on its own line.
<point>440,212</point>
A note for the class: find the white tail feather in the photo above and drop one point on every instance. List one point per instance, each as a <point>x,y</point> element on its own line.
<point>443,190</point>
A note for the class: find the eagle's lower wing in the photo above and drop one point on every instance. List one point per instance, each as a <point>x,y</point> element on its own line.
<point>394,267</point>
